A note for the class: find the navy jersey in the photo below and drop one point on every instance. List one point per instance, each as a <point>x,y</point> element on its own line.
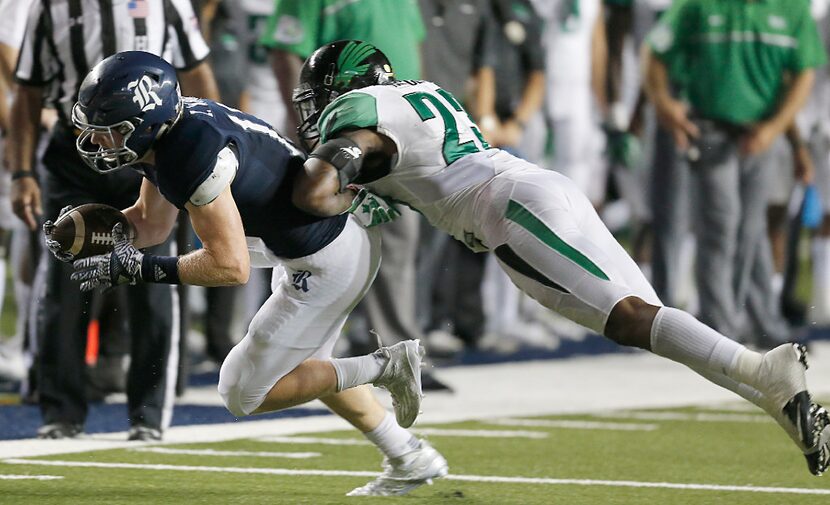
<point>186,156</point>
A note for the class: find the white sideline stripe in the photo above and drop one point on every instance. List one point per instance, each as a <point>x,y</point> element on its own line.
<point>30,477</point>
<point>480,433</point>
<point>575,425</point>
<point>212,452</point>
<point>313,440</point>
<point>684,416</point>
<point>466,478</point>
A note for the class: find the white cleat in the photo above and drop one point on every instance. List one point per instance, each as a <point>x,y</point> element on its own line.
<point>402,378</point>
<point>784,386</point>
<point>402,475</point>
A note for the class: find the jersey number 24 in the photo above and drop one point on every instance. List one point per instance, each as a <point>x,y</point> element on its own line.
<point>453,148</point>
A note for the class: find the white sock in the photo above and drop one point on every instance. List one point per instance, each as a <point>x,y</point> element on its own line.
<point>359,370</point>
<point>392,440</point>
<point>680,337</point>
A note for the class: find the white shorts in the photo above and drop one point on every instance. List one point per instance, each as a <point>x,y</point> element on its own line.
<point>311,298</point>
<point>553,245</point>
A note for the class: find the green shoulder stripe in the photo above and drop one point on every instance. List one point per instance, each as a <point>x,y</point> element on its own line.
<point>354,110</point>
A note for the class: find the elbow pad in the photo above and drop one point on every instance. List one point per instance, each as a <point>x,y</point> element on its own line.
<point>345,155</point>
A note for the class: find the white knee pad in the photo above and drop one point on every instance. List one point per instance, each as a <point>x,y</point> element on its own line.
<point>234,376</point>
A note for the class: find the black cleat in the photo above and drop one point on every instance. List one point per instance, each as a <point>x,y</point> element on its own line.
<point>59,430</point>
<point>144,433</point>
<point>818,457</point>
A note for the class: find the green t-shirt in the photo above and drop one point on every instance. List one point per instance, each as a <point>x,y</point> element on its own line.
<point>393,26</point>
<point>733,54</point>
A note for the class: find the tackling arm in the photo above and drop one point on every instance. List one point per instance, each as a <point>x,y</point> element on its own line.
<point>317,189</point>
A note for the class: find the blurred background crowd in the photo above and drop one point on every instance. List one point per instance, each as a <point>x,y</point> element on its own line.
<point>684,122</point>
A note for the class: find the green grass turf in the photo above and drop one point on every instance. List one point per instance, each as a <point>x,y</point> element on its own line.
<point>722,453</point>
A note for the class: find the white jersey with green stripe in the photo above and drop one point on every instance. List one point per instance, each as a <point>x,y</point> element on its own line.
<point>433,171</point>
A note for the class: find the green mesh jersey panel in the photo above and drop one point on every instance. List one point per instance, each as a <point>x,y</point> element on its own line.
<point>353,110</point>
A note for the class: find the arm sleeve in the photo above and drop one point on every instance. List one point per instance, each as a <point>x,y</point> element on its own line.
<point>294,27</point>
<point>35,60</point>
<point>186,42</point>
<point>809,51</point>
<point>219,178</point>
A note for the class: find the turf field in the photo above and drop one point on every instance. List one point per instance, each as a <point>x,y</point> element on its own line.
<point>731,454</point>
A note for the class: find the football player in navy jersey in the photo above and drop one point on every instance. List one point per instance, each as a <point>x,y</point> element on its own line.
<point>233,175</point>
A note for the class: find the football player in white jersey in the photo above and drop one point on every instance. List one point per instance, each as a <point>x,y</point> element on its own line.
<point>413,142</point>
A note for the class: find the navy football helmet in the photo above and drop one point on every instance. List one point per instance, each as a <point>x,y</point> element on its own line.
<point>127,101</point>
<point>330,71</point>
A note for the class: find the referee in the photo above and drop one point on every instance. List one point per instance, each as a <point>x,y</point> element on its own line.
<point>63,40</point>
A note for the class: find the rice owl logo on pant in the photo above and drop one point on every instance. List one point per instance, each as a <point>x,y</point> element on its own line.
<point>145,96</point>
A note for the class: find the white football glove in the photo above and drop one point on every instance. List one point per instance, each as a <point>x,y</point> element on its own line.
<point>121,266</point>
<point>53,245</point>
<point>371,209</point>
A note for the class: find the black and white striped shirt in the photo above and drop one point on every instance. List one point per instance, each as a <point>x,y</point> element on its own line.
<point>66,38</point>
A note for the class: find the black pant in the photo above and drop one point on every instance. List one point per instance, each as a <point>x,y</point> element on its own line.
<point>65,311</point>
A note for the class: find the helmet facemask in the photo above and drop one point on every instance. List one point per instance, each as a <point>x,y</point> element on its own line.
<point>99,157</point>
<point>309,103</point>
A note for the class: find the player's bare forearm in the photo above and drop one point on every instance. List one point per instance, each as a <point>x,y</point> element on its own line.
<point>317,190</point>
<point>223,259</point>
<point>209,268</point>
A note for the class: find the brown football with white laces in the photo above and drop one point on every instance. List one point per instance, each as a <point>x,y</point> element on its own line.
<point>86,230</point>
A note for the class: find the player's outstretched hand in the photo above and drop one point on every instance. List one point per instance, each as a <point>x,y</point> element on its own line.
<point>371,209</point>
<point>121,266</point>
<point>52,244</point>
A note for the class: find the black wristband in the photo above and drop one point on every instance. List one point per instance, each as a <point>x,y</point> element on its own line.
<point>19,174</point>
<point>163,269</point>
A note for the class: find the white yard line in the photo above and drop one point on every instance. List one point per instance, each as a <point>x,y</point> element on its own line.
<point>574,424</point>
<point>211,452</point>
<point>314,440</point>
<point>437,432</point>
<point>467,478</point>
<point>30,477</point>
<point>688,416</point>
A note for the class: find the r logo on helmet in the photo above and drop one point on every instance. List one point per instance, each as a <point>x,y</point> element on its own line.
<point>145,96</point>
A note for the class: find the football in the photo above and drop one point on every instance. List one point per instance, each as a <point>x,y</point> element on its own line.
<point>86,230</point>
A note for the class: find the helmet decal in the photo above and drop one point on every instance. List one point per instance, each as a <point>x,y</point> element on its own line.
<point>348,63</point>
<point>145,94</point>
